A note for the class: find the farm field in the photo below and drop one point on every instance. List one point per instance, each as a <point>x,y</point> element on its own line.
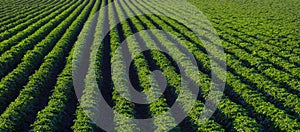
<point>46,44</point>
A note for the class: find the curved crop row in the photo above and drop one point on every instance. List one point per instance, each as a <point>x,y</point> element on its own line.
<point>273,35</point>
<point>83,121</point>
<point>13,40</point>
<point>44,46</point>
<point>10,17</point>
<point>288,53</point>
<point>173,77</point>
<point>12,57</point>
<point>29,96</point>
<point>10,23</point>
<point>232,112</point>
<point>52,113</point>
<point>146,80</point>
<point>278,93</point>
<point>19,36</point>
<point>280,120</point>
<point>9,13</point>
<point>89,93</point>
<point>31,61</point>
<point>39,21</point>
<point>265,61</point>
<point>174,81</point>
<point>276,23</point>
<point>122,107</point>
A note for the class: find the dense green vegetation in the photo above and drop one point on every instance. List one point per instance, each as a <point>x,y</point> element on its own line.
<point>43,41</point>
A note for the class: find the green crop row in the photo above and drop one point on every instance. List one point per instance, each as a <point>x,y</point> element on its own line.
<point>12,17</point>
<point>281,95</point>
<point>29,96</point>
<point>12,57</point>
<point>260,64</point>
<point>267,68</point>
<point>19,36</point>
<point>12,83</point>
<point>276,23</point>
<point>172,77</point>
<point>123,108</point>
<point>288,72</point>
<point>231,112</point>
<point>52,113</point>
<point>89,99</point>
<point>41,50</point>
<point>10,32</point>
<point>263,34</point>
<point>31,13</point>
<point>267,109</point>
<point>7,14</point>
<point>287,53</point>
<point>147,81</point>
<point>279,30</point>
